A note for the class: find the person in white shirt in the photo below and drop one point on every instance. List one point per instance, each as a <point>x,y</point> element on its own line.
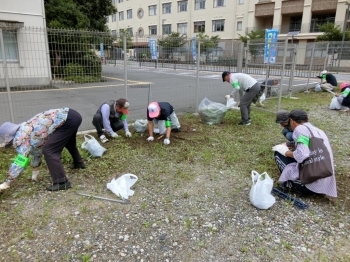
<point>250,87</point>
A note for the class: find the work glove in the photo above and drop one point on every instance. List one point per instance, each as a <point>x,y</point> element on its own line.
<point>4,186</point>
<point>127,134</point>
<point>35,174</point>
<point>282,149</point>
<point>150,138</point>
<point>113,134</point>
<point>166,141</point>
<point>227,97</point>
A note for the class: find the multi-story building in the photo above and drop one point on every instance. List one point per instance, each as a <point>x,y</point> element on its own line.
<point>226,18</point>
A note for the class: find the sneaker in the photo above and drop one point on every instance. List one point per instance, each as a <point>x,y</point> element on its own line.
<point>244,123</point>
<point>103,139</point>
<point>59,186</point>
<point>77,166</point>
<point>176,130</point>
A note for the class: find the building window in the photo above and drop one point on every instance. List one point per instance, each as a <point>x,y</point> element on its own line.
<point>239,26</point>
<point>182,28</point>
<point>167,8</point>
<point>129,14</point>
<point>113,2</point>
<point>295,24</point>
<point>153,30</point>
<point>114,17</point>
<point>129,30</point>
<point>140,13</point>
<point>199,26</point>
<point>120,1</point>
<point>121,15</point>
<point>152,10</point>
<point>107,19</point>
<point>114,32</point>
<point>10,44</point>
<point>199,4</point>
<point>218,25</point>
<point>240,2</point>
<point>182,6</point>
<point>166,29</point>
<point>218,3</point>
<point>318,20</point>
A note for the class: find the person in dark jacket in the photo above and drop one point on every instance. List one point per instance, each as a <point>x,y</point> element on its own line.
<point>328,81</point>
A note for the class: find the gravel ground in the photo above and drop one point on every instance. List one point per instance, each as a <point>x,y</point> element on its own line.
<point>207,218</point>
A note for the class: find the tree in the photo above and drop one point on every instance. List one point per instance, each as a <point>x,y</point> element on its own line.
<point>78,14</point>
<point>332,33</point>
<point>256,37</point>
<point>171,43</point>
<point>75,49</point>
<point>122,33</point>
<point>207,44</point>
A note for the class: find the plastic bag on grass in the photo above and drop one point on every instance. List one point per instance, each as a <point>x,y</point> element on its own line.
<point>231,103</point>
<point>93,146</point>
<point>334,105</point>
<point>121,186</point>
<point>260,192</point>
<point>211,112</point>
<point>140,125</point>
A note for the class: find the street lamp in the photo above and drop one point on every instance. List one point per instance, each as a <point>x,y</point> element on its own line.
<point>344,31</point>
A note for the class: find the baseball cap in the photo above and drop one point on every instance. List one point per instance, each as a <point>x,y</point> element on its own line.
<point>282,116</point>
<point>298,114</point>
<point>225,73</point>
<point>8,131</point>
<point>124,105</point>
<point>153,109</point>
<point>343,86</point>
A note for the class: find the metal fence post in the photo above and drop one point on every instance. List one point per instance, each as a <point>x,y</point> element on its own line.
<point>290,86</point>
<point>6,74</point>
<point>326,58</point>
<point>125,68</point>
<point>197,73</point>
<point>246,58</point>
<point>240,57</point>
<point>310,67</point>
<point>283,72</point>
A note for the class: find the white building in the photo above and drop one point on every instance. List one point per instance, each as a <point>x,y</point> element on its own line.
<point>22,28</point>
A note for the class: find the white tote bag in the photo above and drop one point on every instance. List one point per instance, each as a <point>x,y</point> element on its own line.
<point>122,185</point>
<point>334,105</point>
<point>260,192</point>
<point>93,146</point>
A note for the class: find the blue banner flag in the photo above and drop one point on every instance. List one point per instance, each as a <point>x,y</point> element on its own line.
<point>153,48</point>
<point>194,48</point>
<point>270,54</point>
<point>102,51</point>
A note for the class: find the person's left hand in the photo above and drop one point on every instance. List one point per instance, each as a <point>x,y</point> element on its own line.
<point>128,134</point>
<point>4,186</point>
<point>282,149</point>
<point>166,141</point>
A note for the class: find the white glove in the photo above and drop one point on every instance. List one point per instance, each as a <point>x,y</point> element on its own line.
<point>227,97</point>
<point>282,149</point>
<point>35,174</point>
<point>127,134</point>
<point>4,186</point>
<point>150,138</point>
<point>166,141</point>
<point>113,134</point>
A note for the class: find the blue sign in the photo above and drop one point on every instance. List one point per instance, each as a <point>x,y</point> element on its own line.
<point>102,51</point>
<point>270,54</point>
<point>153,48</point>
<point>194,48</point>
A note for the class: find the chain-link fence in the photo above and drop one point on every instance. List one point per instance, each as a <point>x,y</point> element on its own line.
<point>49,68</point>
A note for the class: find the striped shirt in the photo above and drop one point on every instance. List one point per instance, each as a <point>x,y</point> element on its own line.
<point>326,185</point>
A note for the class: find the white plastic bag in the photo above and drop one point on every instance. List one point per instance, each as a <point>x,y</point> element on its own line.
<point>231,103</point>
<point>211,112</point>
<point>260,193</point>
<point>318,88</point>
<point>334,105</point>
<point>140,125</point>
<point>121,186</point>
<point>93,146</point>
<point>262,98</point>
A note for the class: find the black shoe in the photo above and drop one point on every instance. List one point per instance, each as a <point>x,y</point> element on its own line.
<point>77,166</point>
<point>244,123</point>
<point>59,186</point>
<point>176,130</point>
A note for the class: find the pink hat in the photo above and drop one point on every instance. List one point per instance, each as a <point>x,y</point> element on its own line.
<point>344,85</point>
<point>153,109</point>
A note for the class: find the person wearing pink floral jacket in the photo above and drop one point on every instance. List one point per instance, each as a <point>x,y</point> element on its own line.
<point>47,133</point>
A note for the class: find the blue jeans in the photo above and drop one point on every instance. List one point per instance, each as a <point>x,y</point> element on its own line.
<point>288,134</point>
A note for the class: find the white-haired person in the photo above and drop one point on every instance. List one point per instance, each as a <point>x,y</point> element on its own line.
<point>163,115</point>
<point>328,81</point>
<point>47,133</point>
